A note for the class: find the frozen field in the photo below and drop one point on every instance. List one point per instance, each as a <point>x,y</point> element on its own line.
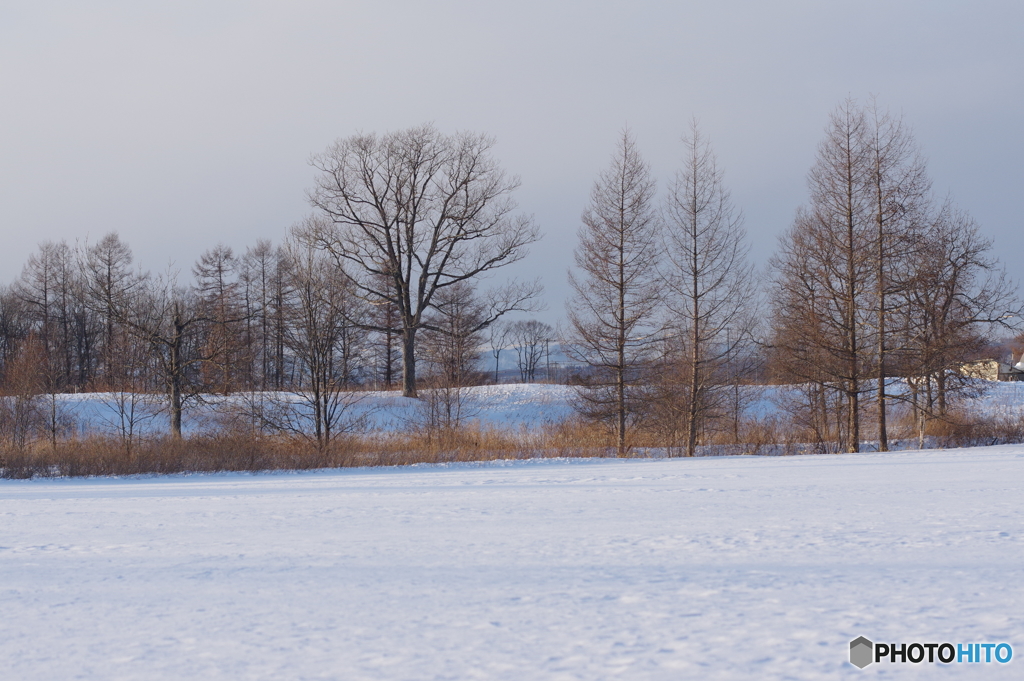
<point>724,568</point>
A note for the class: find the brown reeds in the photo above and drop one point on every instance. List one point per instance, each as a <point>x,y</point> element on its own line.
<point>98,455</point>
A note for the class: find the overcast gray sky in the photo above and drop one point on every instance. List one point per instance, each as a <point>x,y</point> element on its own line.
<point>184,124</point>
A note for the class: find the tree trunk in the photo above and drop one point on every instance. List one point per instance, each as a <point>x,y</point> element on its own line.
<point>174,349</point>
<point>409,362</point>
<point>853,395</point>
<point>853,405</point>
<point>389,377</point>
<point>883,435</point>
<point>695,314</point>
<point>621,369</point>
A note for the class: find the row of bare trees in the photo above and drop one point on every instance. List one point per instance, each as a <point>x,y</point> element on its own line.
<point>403,225</point>
<point>878,292</point>
<point>663,301</point>
<point>876,280</point>
<point>276,318</point>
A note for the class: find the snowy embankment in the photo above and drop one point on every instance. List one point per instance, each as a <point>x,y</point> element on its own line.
<point>726,568</point>
<point>500,406</point>
<point>1000,400</point>
<point>514,405</point>
<point>497,406</point>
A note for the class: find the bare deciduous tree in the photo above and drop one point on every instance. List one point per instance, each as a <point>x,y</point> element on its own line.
<point>824,271</point>
<point>14,328</point>
<point>898,186</point>
<point>168,317</point>
<point>384,315</point>
<point>109,282</point>
<point>260,278</point>
<point>217,292</point>
<point>613,310</point>
<point>48,286</point>
<point>413,212</point>
<point>497,338</point>
<point>709,285</point>
<point>130,405</point>
<point>529,337</point>
<point>23,413</point>
<point>453,337</point>
<point>323,336</point>
<point>957,294</point>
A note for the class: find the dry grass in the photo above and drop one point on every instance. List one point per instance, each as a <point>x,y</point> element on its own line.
<point>233,451</point>
<point>966,430</point>
<point>239,452</point>
<point>105,456</point>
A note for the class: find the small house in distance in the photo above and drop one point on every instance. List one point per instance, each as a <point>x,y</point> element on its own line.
<point>994,370</point>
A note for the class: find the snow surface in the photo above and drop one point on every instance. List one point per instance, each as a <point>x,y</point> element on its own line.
<point>723,568</point>
<point>514,405</point>
<point>523,405</point>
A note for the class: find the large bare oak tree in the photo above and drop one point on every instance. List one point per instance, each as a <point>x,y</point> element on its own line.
<point>410,213</point>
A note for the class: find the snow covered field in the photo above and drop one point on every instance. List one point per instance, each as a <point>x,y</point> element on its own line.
<point>512,405</point>
<point>724,568</point>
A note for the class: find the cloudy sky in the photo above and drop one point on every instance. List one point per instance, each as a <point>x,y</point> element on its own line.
<point>185,124</point>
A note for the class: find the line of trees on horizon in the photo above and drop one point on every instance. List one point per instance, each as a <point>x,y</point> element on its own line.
<point>876,281</point>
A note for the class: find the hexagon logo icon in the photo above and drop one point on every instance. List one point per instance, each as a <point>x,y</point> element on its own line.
<point>861,652</point>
